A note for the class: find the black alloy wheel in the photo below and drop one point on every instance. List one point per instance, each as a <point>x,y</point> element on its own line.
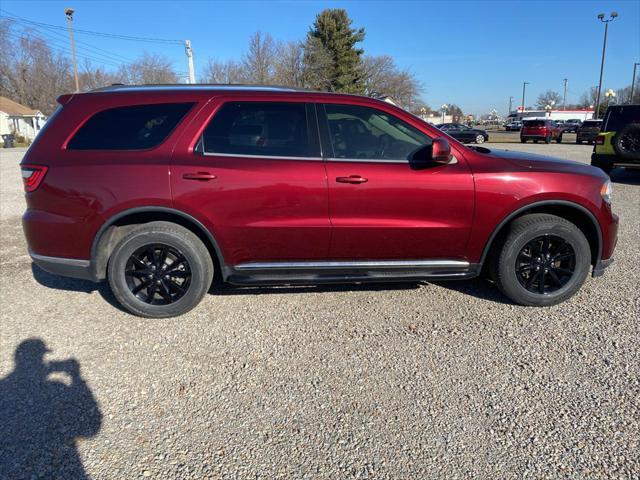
<point>545,264</point>
<point>158,274</point>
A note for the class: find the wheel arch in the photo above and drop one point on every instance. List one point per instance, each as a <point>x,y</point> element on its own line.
<point>574,212</point>
<point>115,228</point>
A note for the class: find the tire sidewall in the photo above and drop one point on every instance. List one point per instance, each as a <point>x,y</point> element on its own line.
<point>479,138</point>
<point>514,245</point>
<point>201,272</point>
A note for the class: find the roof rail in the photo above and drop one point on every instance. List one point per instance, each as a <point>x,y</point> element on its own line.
<point>212,86</point>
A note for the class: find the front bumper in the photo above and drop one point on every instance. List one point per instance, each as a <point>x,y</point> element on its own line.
<point>65,267</point>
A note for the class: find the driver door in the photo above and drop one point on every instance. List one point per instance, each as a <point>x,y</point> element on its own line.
<point>382,207</point>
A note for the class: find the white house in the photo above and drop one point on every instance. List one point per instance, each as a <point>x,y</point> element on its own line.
<point>20,120</point>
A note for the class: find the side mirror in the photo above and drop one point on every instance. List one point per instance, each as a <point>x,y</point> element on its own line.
<point>441,151</point>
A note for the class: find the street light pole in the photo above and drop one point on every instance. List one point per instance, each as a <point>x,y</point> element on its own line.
<point>604,49</point>
<point>633,82</point>
<point>189,51</point>
<point>69,13</point>
<point>524,88</point>
<point>564,97</point>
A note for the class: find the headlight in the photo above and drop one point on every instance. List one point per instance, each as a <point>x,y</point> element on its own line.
<point>607,191</point>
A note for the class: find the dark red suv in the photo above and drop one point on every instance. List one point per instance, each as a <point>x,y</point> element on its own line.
<point>545,130</point>
<point>160,188</point>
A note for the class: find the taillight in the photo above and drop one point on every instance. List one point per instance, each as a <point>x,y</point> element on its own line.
<point>32,176</point>
<point>600,140</point>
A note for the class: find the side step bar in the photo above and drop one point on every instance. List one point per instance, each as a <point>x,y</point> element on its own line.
<point>310,273</point>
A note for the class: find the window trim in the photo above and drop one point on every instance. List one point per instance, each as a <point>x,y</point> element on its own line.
<point>312,133</point>
<point>190,110</point>
<point>325,139</point>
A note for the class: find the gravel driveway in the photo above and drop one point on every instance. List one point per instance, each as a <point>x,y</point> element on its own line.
<point>429,380</point>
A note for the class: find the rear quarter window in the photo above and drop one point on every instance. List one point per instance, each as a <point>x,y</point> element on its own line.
<point>137,127</point>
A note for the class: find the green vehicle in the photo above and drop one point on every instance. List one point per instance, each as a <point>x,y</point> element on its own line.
<point>618,144</point>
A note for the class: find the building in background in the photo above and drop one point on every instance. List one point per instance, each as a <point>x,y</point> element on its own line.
<point>520,114</point>
<point>19,120</point>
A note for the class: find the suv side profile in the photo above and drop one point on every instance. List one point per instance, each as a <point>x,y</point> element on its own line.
<point>618,142</point>
<point>545,130</point>
<point>161,189</point>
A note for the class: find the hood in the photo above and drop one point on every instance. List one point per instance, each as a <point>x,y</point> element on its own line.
<point>542,162</point>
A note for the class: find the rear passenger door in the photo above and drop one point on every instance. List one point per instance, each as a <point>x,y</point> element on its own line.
<point>253,173</point>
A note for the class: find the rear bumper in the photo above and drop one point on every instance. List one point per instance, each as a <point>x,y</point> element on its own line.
<point>614,160</point>
<point>66,267</point>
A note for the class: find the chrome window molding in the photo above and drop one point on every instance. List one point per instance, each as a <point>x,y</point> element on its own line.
<point>270,157</point>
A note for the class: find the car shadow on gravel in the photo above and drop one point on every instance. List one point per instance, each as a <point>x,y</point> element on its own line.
<point>45,408</point>
<point>56,282</point>
<point>477,287</point>
<point>625,176</point>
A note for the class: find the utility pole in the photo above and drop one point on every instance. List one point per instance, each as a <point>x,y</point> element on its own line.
<point>189,51</point>
<point>564,97</point>
<point>69,13</point>
<point>604,49</point>
<point>633,82</point>
<point>510,102</point>
<point>524,88</point>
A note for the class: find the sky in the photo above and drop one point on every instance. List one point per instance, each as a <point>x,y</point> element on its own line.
<point>472,53</point>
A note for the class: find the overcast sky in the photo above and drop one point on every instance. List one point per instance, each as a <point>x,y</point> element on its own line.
<point>475,54</point>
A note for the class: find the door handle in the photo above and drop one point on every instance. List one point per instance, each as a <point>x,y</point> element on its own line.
<point>202,176</point>
<point>352,179</point>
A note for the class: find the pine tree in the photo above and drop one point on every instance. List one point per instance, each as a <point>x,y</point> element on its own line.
<point>332,28</point>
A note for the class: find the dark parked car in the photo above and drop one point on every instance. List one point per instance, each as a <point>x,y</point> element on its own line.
<point>463,133</point>
<point>588,131</point>
<point>161,189</point>
<point>572,125</point>
<point>618,143</point>
<point>545,130</point>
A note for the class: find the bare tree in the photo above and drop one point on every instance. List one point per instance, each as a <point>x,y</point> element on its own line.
<point>259,61</point>
<point>549,97</point>
<point>588,98</point>
<point>149,69</point>
<point>383,78</point>
<point>95,77</point>
<point>30,72</point>
<point>289,64</point>
<point>224,72</point>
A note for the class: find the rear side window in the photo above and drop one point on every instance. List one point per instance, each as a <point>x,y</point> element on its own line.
<point>619,117</point>
<point>272,129</point>
<point>136,127</point>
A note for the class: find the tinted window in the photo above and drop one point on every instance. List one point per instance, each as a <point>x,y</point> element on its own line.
<point>592,123</point>
<point>533,123</point>
<point>619,117</point>
<point>129,128</point>
<point>364,132</point>
<point>260,128</point>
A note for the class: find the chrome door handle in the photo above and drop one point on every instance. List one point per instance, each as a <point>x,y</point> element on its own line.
<point>202,176</point>
<point>352,179</point>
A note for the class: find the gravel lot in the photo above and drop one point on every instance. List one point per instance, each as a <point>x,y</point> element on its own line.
<point>443,380</point>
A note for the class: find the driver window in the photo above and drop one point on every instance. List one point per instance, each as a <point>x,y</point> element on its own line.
<point>367,133</point>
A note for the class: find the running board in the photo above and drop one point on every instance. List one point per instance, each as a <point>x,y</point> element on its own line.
<point>309,273</point>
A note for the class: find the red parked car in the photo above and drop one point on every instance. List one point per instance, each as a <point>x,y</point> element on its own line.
<point>545,130</point>
<point>160,188</point>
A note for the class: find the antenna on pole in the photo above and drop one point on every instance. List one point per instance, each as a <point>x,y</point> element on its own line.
<point>189,52</point>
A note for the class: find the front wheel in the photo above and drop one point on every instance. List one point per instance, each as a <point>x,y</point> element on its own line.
<point>559,139</point>
<point>159,270</point>
<point>544,260</point>
<point>479,138</point>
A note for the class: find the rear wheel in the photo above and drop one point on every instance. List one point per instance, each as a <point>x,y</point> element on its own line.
<point>559,139</point>
<point>523,140</point>
<point>160,270</point>
<point>544,260</point>
<point>479,138</point>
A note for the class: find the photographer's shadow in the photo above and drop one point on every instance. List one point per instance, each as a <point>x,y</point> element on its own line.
<point>41,418</point>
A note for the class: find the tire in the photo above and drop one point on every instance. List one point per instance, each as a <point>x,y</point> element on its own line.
<point>535,141</point>
<point>604,165</point>
<point>547,140</point>
<point>559,139</point>
<point>533,229</point>
<point>523,140</point>
<point>627,143</point>
<point>479,138</point>
<point>578,142</point>
<point>146,251</point>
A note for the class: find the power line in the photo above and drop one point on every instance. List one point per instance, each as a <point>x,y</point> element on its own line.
<point>99,34</point>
